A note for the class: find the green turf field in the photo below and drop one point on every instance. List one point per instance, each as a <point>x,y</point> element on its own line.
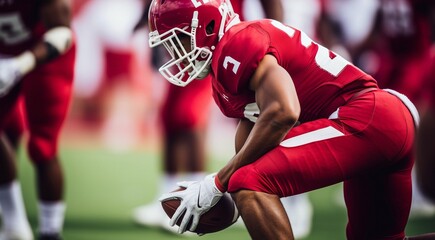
<point>103,187</point>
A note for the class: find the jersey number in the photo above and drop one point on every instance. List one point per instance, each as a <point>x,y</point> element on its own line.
<point>12,29</point>
<point>234,62</point>
<point>334,66</point>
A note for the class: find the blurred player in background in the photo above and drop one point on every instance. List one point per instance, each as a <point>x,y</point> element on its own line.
<point>271,76</point>
<point>184,115</point>
<point>425,161</point>
<point>343,29</point>
<point>397,51</point>
<point>111,87</point>
<point>397,54</point>
<point>36,66</point>
<point>389,39</point>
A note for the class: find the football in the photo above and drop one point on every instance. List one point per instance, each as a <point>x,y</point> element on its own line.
<point>219,217</point>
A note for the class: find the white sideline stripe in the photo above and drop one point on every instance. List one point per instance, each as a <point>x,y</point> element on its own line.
<point>314,136</point>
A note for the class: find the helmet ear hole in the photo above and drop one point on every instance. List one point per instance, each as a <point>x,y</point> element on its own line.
<point>210,27</point>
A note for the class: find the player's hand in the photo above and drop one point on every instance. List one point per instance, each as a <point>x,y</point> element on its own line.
<point>13,69</point>
<point>10,74</point>
<point>196,199</point>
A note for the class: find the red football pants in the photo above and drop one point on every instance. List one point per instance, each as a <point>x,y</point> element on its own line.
<point>369,147</point>
<point>46,92</point>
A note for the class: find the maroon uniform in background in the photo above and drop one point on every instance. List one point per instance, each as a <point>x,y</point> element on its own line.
<point>20,26</point>
<point>350,130</point>
<point>403,46</point>
<point>46,90</point>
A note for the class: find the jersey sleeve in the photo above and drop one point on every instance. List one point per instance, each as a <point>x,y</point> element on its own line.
<point>240,57</point>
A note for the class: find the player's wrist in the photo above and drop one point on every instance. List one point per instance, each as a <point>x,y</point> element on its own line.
<point>26,62</point>
<point>219,184</point>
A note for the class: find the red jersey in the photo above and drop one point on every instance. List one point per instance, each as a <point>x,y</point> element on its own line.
<point>323,80</point>
<point>20,26</point>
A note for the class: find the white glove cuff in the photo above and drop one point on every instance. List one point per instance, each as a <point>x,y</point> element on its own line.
<point>26,62</point>
<point>60,38</point>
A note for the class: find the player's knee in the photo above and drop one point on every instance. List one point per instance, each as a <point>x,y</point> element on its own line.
<point>41,149</point>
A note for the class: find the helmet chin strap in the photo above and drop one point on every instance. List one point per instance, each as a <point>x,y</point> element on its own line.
<point>233,21</point>
<point>227,11</point>
<point>194,25</point>
<point>224,18</point>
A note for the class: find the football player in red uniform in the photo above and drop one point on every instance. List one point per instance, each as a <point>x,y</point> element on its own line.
<point>185,115</point>
<point>36,64</point>
<point>272,76</point>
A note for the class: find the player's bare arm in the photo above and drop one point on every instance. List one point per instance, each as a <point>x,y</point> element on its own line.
<point>56,17</point>
<point>243,129</point>
<point>279,110</point>
<point>56,13</point>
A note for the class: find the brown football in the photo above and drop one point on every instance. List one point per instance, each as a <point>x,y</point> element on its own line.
<point>219,217</point>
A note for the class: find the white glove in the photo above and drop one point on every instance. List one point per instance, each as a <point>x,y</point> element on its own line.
<point>196,200</point>
<point>13,69</point>
<point>9,75</point>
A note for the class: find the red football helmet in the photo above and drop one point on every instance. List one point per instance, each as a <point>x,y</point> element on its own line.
<point>189,30</point>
